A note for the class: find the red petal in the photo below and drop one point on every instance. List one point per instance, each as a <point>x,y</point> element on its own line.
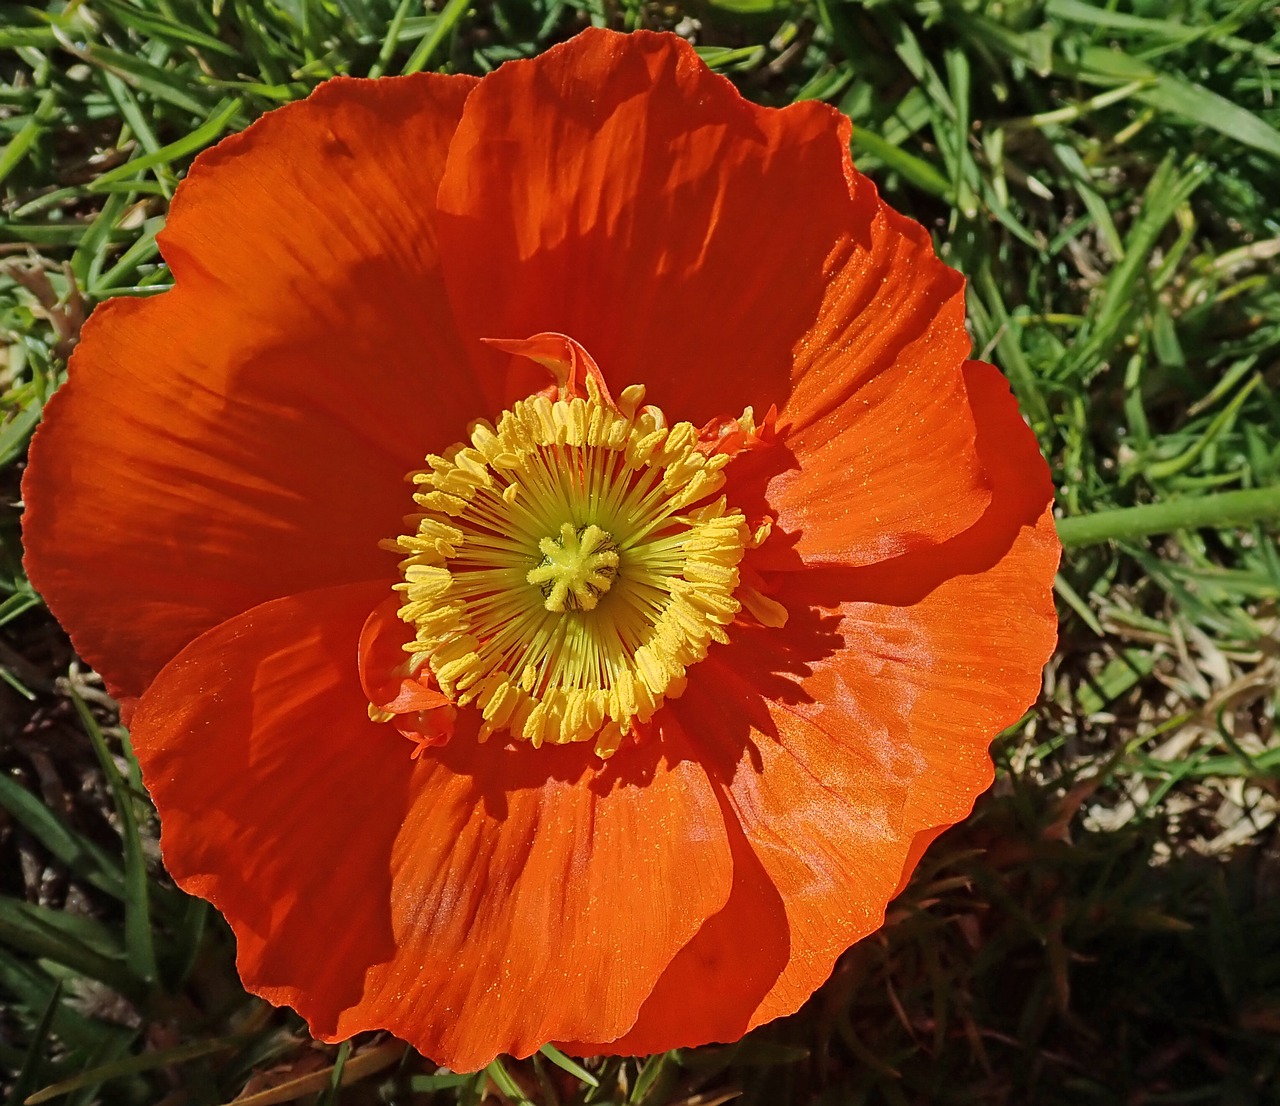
<point>475,901</point>
<point>383,664</point>
<point>647,210</point>
<point>652,214</point>
<point>891,464</point>
<point>245,435</point>
<point>859,735</point>
<point>569,364</point>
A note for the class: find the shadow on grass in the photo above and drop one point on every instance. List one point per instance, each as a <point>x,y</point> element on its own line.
<point>1032,962</point>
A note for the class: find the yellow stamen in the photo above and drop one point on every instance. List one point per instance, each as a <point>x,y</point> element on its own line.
<point>569,564</point>
<point>768,612</point>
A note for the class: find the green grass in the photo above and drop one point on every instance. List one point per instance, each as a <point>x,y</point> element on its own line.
<point>1106,928</point>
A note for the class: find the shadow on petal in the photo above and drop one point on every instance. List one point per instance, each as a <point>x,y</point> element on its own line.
<point>280,801</point>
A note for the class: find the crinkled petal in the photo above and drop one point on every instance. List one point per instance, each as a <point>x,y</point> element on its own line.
<point>864,726</point>
<point>886,462</point>
<point>275,791</point>
<point>551,893</point>
<point>476,900</point>
<point>719,979</point>
<point>725,255</point>
<point>245,435</point>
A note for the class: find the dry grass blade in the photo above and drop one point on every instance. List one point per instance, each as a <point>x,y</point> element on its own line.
<point>358,1067</point>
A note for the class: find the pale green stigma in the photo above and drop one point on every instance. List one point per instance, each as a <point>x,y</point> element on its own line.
<point>576,568</point>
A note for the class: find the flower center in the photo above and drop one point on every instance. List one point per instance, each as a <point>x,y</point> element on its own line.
<point>576,568</point>
<point>569,564</point>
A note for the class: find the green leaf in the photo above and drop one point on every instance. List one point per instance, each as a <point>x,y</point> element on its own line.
<point>18,147</point>
<point>1203,106</point>
<point>445,23</point>
<point>918,171</point>
<point>58,937</point>
<point>1226,509</point>
<point>506,1085</point>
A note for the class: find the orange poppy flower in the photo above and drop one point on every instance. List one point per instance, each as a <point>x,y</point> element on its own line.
<point>717,570</point>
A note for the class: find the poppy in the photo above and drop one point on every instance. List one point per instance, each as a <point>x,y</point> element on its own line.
<point>557,559</point>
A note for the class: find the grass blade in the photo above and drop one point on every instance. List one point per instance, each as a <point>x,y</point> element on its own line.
<point>139,944</point>
<point>134,1065</point>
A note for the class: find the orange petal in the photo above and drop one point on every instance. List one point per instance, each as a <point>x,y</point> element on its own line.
<point>477,900</point>
<point>718,980</point>
<point>864,727</point>
<point>548,895</point>
<point>884,440</point>
<point>642,206</point>
<point>569,364</point>
<point>418,709</point>
<point>384,664</point>
<point>944,651</point>
<point>245,435</point>
<point>279,800</point>
<point>651,213</point>
<point>879,428</point>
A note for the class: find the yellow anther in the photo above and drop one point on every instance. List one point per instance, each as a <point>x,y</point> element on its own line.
<point>768,612</point>
<point>630,399</point>
<point>569,566</point>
